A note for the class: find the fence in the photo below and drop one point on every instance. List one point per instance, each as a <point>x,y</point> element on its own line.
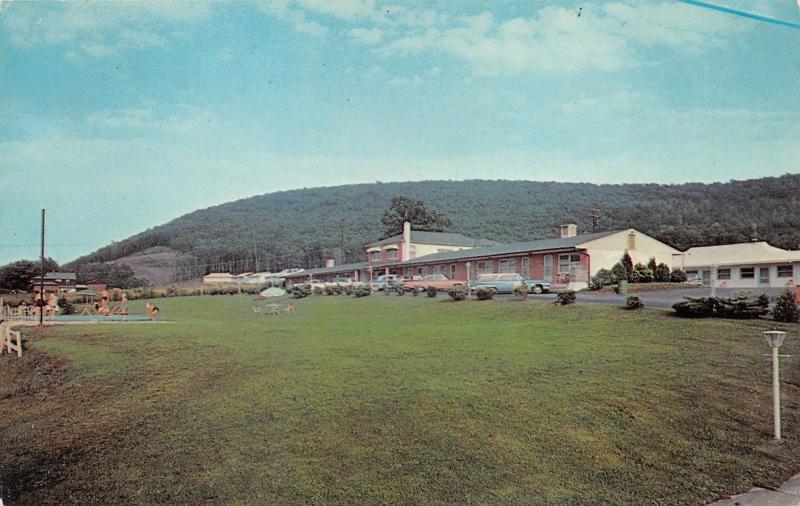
<point>10,340</point>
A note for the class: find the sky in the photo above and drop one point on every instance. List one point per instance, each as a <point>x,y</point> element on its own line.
<point>117,117</point>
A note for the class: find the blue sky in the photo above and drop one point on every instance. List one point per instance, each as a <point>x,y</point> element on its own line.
<point>121,116</point>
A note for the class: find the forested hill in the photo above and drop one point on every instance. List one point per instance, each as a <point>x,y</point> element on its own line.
<point>302,227</point>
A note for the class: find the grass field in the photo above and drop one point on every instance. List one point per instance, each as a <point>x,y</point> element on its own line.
<point>394,400</point>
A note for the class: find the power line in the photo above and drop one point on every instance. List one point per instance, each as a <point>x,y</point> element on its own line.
<point>744,14</point>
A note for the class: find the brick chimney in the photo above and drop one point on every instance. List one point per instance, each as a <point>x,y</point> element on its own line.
<point>569,230</point>
<point>406,250</point>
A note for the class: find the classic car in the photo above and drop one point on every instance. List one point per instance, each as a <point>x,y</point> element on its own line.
<point>438,281</point>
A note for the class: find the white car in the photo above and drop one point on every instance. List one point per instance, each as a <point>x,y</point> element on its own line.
<point>382,282</point>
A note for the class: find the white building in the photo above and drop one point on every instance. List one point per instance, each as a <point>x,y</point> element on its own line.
<point>742,265</point>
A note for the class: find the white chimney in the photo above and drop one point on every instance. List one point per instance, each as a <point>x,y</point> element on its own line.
<point>406,240</point>
<point>330,262</point>
<point>569,230</point>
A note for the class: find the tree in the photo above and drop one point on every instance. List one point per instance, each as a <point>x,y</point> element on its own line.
<point>786,308</point>
<point>641,274</point>
<point>651,264</point>
<point>677,276</point>
<point>412,210</point>
<point>113,275</point>
<point>662,273</point>
<point>18,275</point>
<point>627,261</point>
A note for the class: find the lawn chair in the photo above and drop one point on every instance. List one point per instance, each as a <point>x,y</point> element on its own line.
<point>258,310</point>
<point>273,309</point>
<point>289,308</point>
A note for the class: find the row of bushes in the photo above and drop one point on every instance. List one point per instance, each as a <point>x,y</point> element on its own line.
<point>459,292</point>
<point>625,270</point>
<point>743,305</point>
<point>301,291</point>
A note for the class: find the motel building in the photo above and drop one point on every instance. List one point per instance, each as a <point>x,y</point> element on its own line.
<point>567,261</point>
<point>754,264</point>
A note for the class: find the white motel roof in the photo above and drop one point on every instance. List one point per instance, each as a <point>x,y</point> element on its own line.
<point>738,254</point>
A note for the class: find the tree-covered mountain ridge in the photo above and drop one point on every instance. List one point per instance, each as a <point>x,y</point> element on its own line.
<point>300,228</point>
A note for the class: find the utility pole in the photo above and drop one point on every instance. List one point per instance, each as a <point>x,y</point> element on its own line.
<point>255,248</point>
<point>341,229</point>
<point>41,279</point>
<point>594,214</point>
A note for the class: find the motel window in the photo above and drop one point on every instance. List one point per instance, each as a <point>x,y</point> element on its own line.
<point>548,267</point>
<point>452,271</point>
<point>485,267</point>
<point>568,263</point>
<point>723,274</point>
<point>439,269</point>
<point>391,254</point>
<point>507,265</point>
<point>747,273</point>
<point>420,271</point>
<point>375,256</point>
<point>785,271</point>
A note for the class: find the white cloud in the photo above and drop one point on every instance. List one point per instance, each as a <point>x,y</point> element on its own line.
<point>285,10</point>
<point>606,37</point>
<point>414,80</point>
<point>366,36</point>
<point>96,29</point>
<point>349,10</point>
<point>144,120</point>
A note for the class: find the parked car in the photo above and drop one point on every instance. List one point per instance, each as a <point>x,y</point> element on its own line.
<point>501,283</point>
<point>537,286</point>
<point>439,281</point>
<point>314,283</point>
<point>390,280</point>
<point>345,282</point>
<point>694,280</point>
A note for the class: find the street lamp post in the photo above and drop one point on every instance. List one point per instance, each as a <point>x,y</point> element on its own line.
<point>469,277</point>
<point>775,340</point>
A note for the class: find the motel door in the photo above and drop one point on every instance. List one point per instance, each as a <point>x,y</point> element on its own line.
<point>706,277</point>
<point>763,275</point>
<point>548,268</point>
<point>525,267</point>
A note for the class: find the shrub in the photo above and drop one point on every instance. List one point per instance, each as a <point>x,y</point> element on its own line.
<point>677,276</point>
<point>458,292</point>
<point>695,307</point>
<point>300,292</point>
<point>361,291</point>
<point>431,291</point>
<point>602,278</point>
<point>66,306</point>
<point>521,291</point>
<point>633,302</point>
<point>483,293</point>
<point>641,274</point>
<point>662,273</point>
<point>565,297</point>
<point>316,291</point>
<point>743,305</point>
<point>619,272</point>
<point>786,308</point>
<point>652,265</point>
<point>172,291</point>
<point>348,290</point>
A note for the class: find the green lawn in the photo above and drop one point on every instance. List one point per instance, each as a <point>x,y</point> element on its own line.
<point>394,400</point>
